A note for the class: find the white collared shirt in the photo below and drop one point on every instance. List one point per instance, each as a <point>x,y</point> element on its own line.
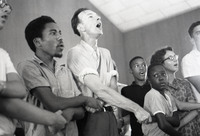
<point>191,64</point>
<point>83,60</point>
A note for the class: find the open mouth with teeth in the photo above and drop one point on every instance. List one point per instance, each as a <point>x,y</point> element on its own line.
<point>4,17</point>
<point>141,73</point>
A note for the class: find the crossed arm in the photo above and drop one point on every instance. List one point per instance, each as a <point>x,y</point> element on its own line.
<point>167,124</point>
<point>12,87</point>
<point>14,107</point>
<point>110,96</point>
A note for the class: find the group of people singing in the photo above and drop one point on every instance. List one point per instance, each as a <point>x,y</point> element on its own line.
<point>81,97</point>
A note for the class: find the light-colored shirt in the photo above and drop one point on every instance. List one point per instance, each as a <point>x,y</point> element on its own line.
<point>36,73</point>
<point>191,64</point>
<point>83,60</point>
<point>156,103</point>
<point>7,125</point>
<point>190,67</point>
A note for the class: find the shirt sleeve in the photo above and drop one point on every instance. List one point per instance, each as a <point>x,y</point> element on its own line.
<point>32,76</point>
<point>154,103</point>
<point>80,64</point>
<point>8,64</point>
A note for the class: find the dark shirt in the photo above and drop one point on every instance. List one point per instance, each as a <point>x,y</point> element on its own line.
<point>135,93</point>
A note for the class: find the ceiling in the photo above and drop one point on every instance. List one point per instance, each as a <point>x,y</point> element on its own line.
<point>127,15</point>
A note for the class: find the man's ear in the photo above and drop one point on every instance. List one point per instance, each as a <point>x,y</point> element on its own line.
<point>37,42</point>
<point>192,41</point>
<point>80,27</point>
<point>130,71</point>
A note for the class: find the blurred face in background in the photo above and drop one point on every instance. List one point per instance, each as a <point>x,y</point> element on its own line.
<point>139,69</point>
<point>171,61</point>
<point>196,36</point>
<point>5,10</point>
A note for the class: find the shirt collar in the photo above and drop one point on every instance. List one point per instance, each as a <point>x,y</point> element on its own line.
<point>146,83</point>
<point>196,52</point>
<point>38,60</point>
<point>89,48</point>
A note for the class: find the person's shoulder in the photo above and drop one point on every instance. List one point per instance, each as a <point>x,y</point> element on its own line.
<point>26,63</point>
<point>183,81</point>
<point>104,50</point>
<point>125,88</point>
<point>3,51</point>
<point>152,92</point>
<point>188,55</point>
<point>74,50</point>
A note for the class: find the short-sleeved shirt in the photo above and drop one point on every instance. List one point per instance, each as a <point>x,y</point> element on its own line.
<point>136,93</point>
<point>190,67</point>
<point>156,103</point>
<point>7,125</point>
<point>36,73</point>
<point>83,60</point>
<point>191,63</point>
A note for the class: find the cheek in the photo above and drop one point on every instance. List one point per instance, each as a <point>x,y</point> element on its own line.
<point>168,66</point>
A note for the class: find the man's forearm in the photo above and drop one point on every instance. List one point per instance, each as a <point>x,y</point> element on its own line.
<point>12,89</point>
<point>16,108</point>
<point>112,97</point>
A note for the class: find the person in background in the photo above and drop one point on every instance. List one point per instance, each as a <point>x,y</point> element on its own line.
<point>191,61</point>
<point>159,103</point>
<point>180,89</point>
<point>96,76</point>
<point>48,82</point>
<point>12,91</point>
<point>136,92</point>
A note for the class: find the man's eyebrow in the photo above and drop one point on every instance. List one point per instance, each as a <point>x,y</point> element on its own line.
<point>53,30</point>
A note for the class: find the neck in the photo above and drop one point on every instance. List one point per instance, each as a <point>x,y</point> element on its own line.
<point>92,41</point>
<point>47,59</point>
<point>198,47</point>
<point>140,82</point>
<point>171,76</point>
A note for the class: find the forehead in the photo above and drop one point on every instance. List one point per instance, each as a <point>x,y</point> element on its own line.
<point>169,53</point>
<point>197,28</point>
<point>86,13</point>
<point>157,69</point>
<point>137,61</point>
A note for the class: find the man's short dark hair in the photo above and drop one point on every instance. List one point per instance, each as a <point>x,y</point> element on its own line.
<point>191,28</point>
<point>158,56</point>
<point>34,29</point>
<point>75,20</point>
<point>133,59</point>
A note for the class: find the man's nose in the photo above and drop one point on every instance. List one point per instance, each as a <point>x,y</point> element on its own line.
<point>59,37</point>
<point>160,78</point>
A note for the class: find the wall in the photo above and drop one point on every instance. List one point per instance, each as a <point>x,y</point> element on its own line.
<point>173,31</point>
<point>12,36</point>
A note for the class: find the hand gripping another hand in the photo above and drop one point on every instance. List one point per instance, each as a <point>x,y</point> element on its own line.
<point>143,116</point>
